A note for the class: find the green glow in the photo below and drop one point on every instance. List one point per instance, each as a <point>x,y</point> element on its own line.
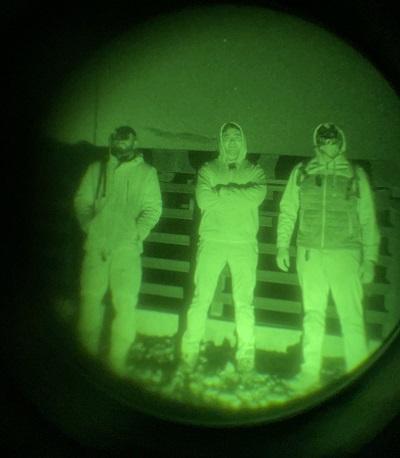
<point>178,77</point>
<point>175,81</point>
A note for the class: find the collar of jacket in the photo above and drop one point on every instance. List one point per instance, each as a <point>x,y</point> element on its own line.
<point>340,165</point>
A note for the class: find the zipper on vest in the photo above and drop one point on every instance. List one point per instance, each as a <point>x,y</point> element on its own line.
<point>324,211</point>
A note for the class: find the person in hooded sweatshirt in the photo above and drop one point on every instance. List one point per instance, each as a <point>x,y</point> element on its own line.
<point>117,204</point>
<point>229,191</point>
<point>337,246</point>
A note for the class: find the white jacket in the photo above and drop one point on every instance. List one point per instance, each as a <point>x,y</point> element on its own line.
<point>120,210</point>
<point>230,214</point>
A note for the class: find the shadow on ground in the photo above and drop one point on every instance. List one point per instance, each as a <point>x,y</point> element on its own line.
<point>216,381</point>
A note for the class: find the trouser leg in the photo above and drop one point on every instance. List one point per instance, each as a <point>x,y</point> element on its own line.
<point>125,280</point>
<point>217,303</point>
<point>211,258</point>
<point>315,289</point>
<point>94,284</point>
<point>343,268</point>
<point>242,261</point>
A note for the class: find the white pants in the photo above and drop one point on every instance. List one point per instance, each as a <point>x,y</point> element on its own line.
<point>211,259</point>
<point>319,272</point>
<point>120,272</point>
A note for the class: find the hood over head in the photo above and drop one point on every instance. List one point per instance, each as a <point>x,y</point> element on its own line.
<point>328,130</point>
<point>221,149</point>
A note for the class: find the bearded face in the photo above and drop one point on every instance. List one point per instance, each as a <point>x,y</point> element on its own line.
<point>123,148</point>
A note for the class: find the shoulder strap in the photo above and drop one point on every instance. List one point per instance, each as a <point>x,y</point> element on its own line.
<point>101,182</point>
<point>353,186</point>
<point>302,172</point>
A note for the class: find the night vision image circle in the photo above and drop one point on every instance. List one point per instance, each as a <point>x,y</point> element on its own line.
<point>233,244</point>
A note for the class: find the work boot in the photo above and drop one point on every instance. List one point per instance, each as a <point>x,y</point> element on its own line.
<point>119,369</point>
<point>245,360</point>
<point>304,382</point>
<point>189,361</point>
<point>118,363</point>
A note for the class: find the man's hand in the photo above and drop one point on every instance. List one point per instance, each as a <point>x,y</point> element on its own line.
<point>283,259</point>
<point>367,272</point>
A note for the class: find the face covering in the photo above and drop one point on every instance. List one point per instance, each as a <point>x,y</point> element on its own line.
<point>331,151</point>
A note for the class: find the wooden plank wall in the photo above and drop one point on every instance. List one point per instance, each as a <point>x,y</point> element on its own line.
<point>169,257</point>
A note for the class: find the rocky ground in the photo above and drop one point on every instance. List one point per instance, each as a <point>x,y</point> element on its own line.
<point>215,380</point>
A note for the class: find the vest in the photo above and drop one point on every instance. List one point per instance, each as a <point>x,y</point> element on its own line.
<point>328,216</point>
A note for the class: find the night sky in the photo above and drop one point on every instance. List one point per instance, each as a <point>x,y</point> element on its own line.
<point>179,77</point>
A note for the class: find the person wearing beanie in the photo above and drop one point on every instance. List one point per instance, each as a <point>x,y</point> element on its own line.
<point>337,247</point>
<point>117,204</point>
<point>229,191</point>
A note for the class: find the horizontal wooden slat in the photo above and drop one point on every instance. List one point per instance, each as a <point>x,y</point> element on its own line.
<point>182,188</point>
<point>270,248</point>
<point>266,221</point>
<point>286,306</point>
<point>274,305</point>
<point>388,231</point>
<point>376,317</point>
<point>184,240</point>
<point>170,239</point>
<point>158,289</point>
<point>383,199</point>
<point>277,305</point>
<point>264,248</point>
<point>270,304</point>
<point>171,265</point>
<point>177,213</point>
<point>371,316</point>
<point>378,288</point>
<point>271,182</point>
<point>187,214</point>
<point>285,278</point>
<point>275,188</point>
